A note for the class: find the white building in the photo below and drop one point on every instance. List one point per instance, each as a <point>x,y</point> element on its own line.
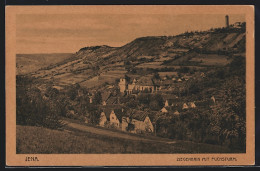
<point>113,119</point>
<point>185,106</point>
<point>140,122</point>
<point>192,105</point>
<point>122,85</point>
<point>166,104</point>
<point>176,112</point>
<point>164,110</point>
<point>213,99</point>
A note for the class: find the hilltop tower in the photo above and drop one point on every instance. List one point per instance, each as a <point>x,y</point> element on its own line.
<point>122,85</point>
<point>227,21</point>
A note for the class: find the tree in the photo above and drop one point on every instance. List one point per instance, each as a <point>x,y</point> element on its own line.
<point>231,112</point>
<point>154,106</point>
<point>72,93</point>
<point>33,110</point>
<point>156,76</point>
<point>156,102</point>
<point>93,114</point>
<point>132,103</point>
<point>97,98</point>
<point>144,99</point>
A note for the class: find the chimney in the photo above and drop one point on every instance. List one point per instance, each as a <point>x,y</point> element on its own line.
<point>227,21</point>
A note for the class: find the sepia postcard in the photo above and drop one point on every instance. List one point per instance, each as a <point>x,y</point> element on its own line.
<point>130,85</point>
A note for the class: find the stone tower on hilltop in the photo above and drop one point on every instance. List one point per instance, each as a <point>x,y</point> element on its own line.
<point>122,85</point>
<point>227,20</point>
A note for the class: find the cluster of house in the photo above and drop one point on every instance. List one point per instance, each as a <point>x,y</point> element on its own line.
<point>137,121</point>
<point>151,85</point>
<point>169,103</point>
<point>143,84</point>
<point>134,121</point>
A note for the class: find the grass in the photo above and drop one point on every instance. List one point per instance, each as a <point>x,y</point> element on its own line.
<point>109,76</point>
<point>38,140</point>
<point>211,59</point>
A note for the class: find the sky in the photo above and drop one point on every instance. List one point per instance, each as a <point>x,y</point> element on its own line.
<point>67,33</point>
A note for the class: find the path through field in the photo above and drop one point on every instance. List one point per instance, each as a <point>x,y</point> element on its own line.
<point>99,131</point>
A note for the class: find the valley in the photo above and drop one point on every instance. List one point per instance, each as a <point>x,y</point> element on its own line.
<point>187,87</point>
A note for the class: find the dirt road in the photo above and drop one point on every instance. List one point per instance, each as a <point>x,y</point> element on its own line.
<point>86,128</point>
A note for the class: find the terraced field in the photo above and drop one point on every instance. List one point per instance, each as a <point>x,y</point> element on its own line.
<point>211,59</point>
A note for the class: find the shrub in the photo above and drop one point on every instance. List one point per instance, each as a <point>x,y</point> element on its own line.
<point>33,110</point>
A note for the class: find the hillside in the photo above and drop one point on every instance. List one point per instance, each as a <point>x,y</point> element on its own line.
<point>37,140</point>
<point>94,66</point>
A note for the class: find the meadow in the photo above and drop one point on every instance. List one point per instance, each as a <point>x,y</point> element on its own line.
<point>38,140</point>
<point>211,59</point>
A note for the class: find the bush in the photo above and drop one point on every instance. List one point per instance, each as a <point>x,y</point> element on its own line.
<point>210,140</point>
<point>33,110</point>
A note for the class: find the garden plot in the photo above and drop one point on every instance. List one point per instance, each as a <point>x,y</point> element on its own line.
<point>211,59</point>
<point>230,37</point>
<point>69,78</point>
<point>105,77</point>
<point>236,40</point>
<point>163,74</point>
<point>163,59</point>
<point>93,82</point>
<point>150,65</point>
<point>111,76</point>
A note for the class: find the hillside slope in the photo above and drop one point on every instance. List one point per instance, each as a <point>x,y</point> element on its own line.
<point>37,140</point>
<point>96,65</point>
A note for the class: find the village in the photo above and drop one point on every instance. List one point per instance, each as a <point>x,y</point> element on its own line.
<point>114,114</point>
<point>184,88</point>
<point>172,91</point>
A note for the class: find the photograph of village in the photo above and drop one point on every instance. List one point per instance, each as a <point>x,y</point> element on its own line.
<point>130,83</point>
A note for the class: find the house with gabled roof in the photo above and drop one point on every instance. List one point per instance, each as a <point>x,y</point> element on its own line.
<point>142,84</point>
<point>166,103</point>
<point>164,110</point>
<point>176,112</point>
<point>185,106</point>
<point>145,83</point>
<point>139,120</point>
<point>114,119</point>
<point>105,97</point>
<point>192,105</point>
<point>169,101</point>
<point>104,117</point>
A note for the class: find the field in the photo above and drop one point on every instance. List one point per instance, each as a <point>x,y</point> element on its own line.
<point>38,140</point>
<point>109,77</point>
<point>211,59</point>
<point>150,65</point>
<point>27,63</point>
